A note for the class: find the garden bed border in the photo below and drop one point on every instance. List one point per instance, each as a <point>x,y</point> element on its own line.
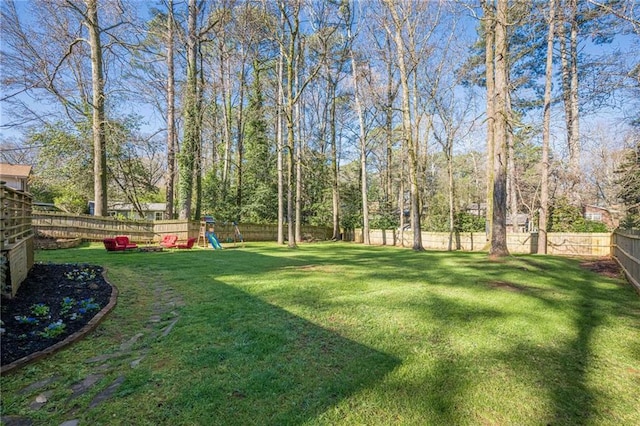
<point>89,327</point>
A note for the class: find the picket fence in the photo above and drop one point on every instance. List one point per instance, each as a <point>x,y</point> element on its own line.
<point>626,250</point>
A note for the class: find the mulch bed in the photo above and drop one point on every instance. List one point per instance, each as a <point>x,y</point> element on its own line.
<point>50,284</point>
<point>604,266</point>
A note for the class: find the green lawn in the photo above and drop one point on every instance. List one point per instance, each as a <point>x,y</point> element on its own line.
<point>336,333</point>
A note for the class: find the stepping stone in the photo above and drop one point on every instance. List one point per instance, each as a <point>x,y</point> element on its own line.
<point>168,328</point>
<point>102,358</point>
<point>107,393</point>
<point>126,346</point>
<point>38,385</point>
<point>70,423</point>
<point>103,368</point>
<point>83,386</point>
<point>136,363</point>
<point>16,421</point>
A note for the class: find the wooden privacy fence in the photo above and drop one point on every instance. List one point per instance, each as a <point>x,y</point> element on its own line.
<point>572,244</point>
<point>225,231</point>
<point>16,243</point>
<point>95,228</point>
<point>91,228</point>
<point>626,250</point>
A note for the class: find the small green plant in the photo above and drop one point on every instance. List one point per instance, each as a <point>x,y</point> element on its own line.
<point>40,310</point>
<point>23,319</point>
<point>84,274</point>
<point>53,330</point>
<point>87,305</point>
<point>67,305</point>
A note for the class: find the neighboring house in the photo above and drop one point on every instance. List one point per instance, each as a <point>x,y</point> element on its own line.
<point>477,209</point>
<point>152,211</point>
<point>16,176</point>
<point>601,214</point>
<point>524,225</point>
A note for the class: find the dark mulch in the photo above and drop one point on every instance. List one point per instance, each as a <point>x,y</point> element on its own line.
<point>604,266</point>
<point>50,284</point>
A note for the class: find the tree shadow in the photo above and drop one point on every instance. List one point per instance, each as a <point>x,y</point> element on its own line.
<point>256,363</point>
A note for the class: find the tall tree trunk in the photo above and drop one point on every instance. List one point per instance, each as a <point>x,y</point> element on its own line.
<point>228,120</point>
<point>280,144</point>
<point>299,177</point>
<point>546,130</point>
<point>451,190</point>
<point>171,119</point>
<point>575,124</point>
<point>335,169</point>
<point>191,134</point>
<point>289,113</point>
<point>499,228</point>
<point>407,130</point>
<point>197,172</point>
<point>97,112</point>
<point>240,131</point>
<point>363,150</point>
<point>511,171</point>
<point>489,14</point>
<point>388,175</point>
<point>401,199</point>
<point>568,61</point>
<point>389,134</point>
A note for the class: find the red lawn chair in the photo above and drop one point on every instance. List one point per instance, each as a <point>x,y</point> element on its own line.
<point>188,245</point>
<point>169,241</point>
<point>111,245</point>
<point>123,241</point>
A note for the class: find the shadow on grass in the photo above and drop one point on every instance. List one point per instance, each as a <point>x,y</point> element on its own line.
<point>248,362</point>
<point>563,368</point>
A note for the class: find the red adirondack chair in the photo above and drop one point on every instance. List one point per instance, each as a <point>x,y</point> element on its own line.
<point>123,241</point>
<point>188,245</point>
<point>169,241</point>
<point>111,245</point>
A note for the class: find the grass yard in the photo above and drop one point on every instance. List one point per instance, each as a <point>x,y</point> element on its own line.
<point>337,333</point>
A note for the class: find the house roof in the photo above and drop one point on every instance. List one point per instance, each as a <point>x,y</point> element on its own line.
<point>15,170</point>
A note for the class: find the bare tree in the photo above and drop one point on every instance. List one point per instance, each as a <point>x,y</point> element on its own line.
<point>45,55</point>
<point>569,64</point>
<point>349,18</point>
<point>546,133</point>
<point>396,32</point>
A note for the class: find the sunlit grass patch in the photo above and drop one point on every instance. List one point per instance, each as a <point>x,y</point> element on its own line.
<point>338,333</point>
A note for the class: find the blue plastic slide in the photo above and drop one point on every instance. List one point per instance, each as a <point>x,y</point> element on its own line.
<point>214,241</point>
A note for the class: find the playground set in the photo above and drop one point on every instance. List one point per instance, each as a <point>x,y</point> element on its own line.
<point>208,234</point>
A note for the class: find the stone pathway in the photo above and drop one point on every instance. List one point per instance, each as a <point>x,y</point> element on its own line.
<point>130,354</point>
